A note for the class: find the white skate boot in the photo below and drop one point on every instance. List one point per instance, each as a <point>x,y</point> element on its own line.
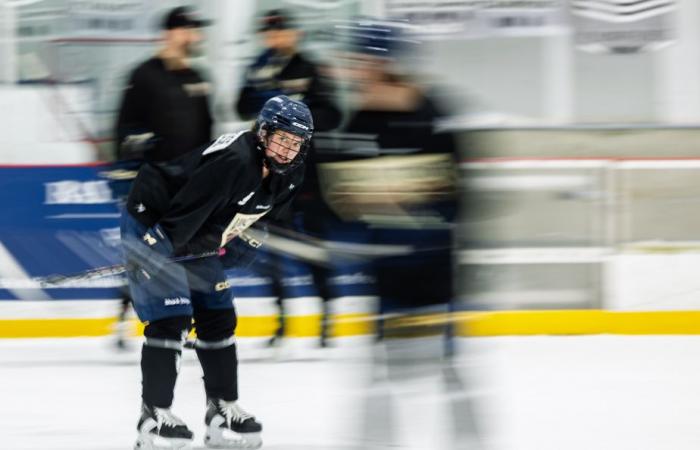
<point>160,429</point>
<point>229,427</point>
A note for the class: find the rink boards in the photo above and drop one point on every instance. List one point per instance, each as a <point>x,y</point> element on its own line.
<point>258,318</point>
<point>64,219</point>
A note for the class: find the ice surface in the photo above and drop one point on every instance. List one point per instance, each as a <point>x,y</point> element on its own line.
<point>535,393</point>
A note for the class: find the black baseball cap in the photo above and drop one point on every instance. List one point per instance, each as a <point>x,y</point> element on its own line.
<point>276,19</point>
<point>183,17</point>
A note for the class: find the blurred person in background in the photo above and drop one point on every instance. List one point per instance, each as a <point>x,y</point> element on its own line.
<point>198,208</point>
<point>164,112</point>
<point>407,198</point>
<point>283,68</point>
<point>416,208</point>
<point>165,109</point>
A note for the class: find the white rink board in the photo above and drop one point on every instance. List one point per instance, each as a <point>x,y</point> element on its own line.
<point>649,282</point>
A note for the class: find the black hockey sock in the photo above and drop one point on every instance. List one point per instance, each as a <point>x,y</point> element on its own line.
<point>159,368</point>
<point>220,366</point>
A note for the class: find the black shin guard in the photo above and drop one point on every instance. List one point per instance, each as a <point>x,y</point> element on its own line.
<point>160,359</point>
<point>220,367</point>
<point>159,367</point>
<point>216,350</point>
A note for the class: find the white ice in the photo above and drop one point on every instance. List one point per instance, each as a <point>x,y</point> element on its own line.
<point>535,393</point>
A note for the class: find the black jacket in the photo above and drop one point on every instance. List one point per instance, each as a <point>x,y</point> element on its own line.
<point>206,198</point>
<point>294,76</point>
<point>171,104</point>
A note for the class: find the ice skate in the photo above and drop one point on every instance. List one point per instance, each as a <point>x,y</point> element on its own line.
<point>160,429</point>
<point>229,427</point>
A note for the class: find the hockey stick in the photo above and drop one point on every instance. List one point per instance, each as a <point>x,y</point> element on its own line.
<point>310,251</point>
<point>109,271</point>
<point>318,251</point>
<point>293,244</point>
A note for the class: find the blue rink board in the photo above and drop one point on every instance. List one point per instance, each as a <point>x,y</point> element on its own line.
<point>58,220</point>
<point>65,220</point>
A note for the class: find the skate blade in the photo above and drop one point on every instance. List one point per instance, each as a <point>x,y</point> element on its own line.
<point>159,443</point>
<point>230,440</point>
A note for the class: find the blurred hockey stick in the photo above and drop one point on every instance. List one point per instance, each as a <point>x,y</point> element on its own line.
<point>312,250</point>
<point>318,251</point>
<point>108,271</point>
<point>282,241</point>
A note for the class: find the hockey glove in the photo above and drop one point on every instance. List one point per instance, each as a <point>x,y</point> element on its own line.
<point>241,252</point>
<point>136,145</point>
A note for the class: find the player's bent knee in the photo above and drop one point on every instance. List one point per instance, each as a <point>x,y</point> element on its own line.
<point>215,326</point>
<point>170,329</point>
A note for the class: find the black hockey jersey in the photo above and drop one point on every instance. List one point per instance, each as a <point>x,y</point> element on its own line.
<point>171,104</point>
<point>206,198</point>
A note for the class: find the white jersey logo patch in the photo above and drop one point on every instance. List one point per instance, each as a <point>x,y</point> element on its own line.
<point>238,225</point>
<point>222,142</point>
<point>245,199</point>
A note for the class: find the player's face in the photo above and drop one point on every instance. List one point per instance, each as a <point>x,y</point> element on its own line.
<point>193,42</point>
<point>362,69</point>
<point>188,39</point>
<point>281,40</point>
<point>283,147</point>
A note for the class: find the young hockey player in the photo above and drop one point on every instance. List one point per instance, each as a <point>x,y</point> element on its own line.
<point>192,205</point>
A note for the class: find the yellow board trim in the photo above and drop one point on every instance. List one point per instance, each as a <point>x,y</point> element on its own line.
<point>351,324</point>
<point>256,326</point>
<point>577,322</point>
<point>40,328</point>
<point>498,323</point>
<point>302,326</point>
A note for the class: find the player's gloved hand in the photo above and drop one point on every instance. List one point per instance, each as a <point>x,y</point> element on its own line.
<point>242,251</point>
<point>255,237</point>
<point>137,144</point>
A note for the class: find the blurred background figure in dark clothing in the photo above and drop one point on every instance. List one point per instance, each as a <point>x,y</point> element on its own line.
<point>282,68</point>
<point>408,194</point>
<point>403,193</point>
<point>165,109</point>
<point>164,112</point>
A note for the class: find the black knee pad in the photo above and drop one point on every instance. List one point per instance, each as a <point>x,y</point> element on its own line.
<point>170,328</point>
<point>215,324</point>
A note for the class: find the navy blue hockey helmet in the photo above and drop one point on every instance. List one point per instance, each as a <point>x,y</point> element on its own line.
<point>283,113</point>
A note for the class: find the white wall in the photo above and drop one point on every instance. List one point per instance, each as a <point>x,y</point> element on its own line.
<point>38,129</point>
<point>8,69</point>
<point>648,282</point>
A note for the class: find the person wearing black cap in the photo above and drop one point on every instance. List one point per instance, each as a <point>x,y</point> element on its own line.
<point>282,69</point>
<point>165,109</point>
<point>164,112</point>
